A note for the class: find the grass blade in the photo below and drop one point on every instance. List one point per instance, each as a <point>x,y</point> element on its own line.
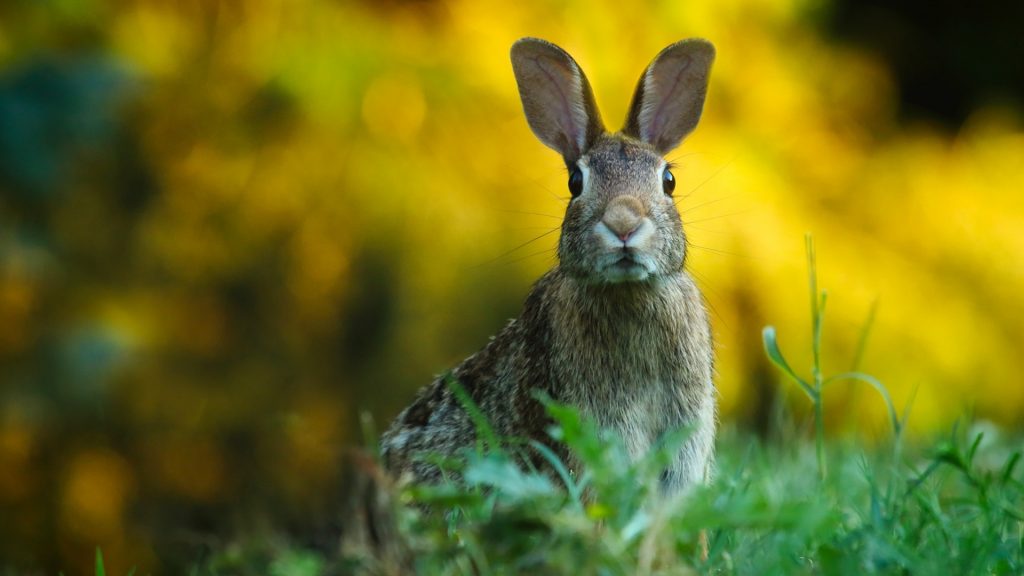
<point>862,339</point>
<point>100,570</point>
<point>575,490</point>
<point>480,421</point>
<point>1010,465</point>
<point>875,383</point>
<point>771,347</point>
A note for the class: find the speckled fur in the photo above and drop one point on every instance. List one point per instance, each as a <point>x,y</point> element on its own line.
<point>636,356</point>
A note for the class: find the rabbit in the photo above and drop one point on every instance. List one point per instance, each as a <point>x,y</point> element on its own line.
<point>617,329</point>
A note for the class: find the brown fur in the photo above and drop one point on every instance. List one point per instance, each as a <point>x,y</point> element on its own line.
<point>618,329</point>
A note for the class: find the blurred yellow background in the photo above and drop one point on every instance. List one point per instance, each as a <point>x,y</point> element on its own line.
<point>227,227</point>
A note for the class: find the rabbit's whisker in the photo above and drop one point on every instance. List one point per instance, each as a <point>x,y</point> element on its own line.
<point>528,256</point>
<point>731,214</point>
<point>675,160</point>
<point>707,230</point>
<point>705,286</point>
<point>552,193</point>
<point>715,250</point>
<point>519,247</point>
<point>703,204</point>
<point>709,178</point>
<point>531,213</point>
<point>530,228</point>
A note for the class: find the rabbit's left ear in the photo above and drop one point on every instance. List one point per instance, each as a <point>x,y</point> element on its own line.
<point>669,98</point>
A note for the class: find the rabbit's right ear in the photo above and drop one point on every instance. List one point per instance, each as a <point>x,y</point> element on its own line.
<point>557,98</point>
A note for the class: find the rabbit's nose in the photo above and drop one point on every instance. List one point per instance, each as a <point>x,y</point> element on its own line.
<point>623,216</point>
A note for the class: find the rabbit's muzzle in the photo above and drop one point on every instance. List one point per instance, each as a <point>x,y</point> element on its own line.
<point>623,217</point>
<point>624,233</point>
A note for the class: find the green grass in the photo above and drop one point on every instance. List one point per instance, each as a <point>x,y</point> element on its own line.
<point>795,505</point>
<point>951,508</point>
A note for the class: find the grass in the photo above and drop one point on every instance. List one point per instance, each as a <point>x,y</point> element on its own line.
<point>951,508</point>
<point>814,387</point>
<point>790,506</point>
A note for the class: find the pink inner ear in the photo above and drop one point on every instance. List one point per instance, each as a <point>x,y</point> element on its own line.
<point>665,83</point>
<point>564,82</point>
<point>671,94</point>
<point>564,97</point>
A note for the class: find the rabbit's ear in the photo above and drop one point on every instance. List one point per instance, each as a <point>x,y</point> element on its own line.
<point>557,98</point>
<point>670,95</point>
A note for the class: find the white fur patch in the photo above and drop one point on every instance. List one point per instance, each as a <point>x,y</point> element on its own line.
<point>585,170</point>
<point>577,111</point>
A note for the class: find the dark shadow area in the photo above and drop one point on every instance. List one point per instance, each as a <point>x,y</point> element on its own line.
<point>948,58</point>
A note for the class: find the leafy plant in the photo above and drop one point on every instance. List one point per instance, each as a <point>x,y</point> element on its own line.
<point>814,386</point>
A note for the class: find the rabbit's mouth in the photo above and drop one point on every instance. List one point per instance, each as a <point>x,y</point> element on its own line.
<point>624,266</point>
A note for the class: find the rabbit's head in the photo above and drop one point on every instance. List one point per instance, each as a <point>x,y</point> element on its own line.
<point>621,224</point>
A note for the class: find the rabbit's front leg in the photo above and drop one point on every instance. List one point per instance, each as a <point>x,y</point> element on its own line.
<point>692,465</point>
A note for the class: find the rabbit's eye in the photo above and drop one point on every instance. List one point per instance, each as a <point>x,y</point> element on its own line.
<point>575,182</point>
<point>668,182</point>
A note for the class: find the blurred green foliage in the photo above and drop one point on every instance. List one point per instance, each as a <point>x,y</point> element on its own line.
<point>227,226</point>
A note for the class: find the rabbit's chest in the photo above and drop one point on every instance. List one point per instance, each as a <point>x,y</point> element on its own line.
<point>642,418</point>
<point>640,385</point>
<point>640,370</point>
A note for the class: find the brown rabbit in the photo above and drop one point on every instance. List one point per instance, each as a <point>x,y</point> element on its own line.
<point>617,329</point>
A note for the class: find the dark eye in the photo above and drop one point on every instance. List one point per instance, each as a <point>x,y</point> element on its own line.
<point>668,182</point>
<point>576,181</point>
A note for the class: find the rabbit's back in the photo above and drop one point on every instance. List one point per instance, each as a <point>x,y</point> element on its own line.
<point>502,380</point>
